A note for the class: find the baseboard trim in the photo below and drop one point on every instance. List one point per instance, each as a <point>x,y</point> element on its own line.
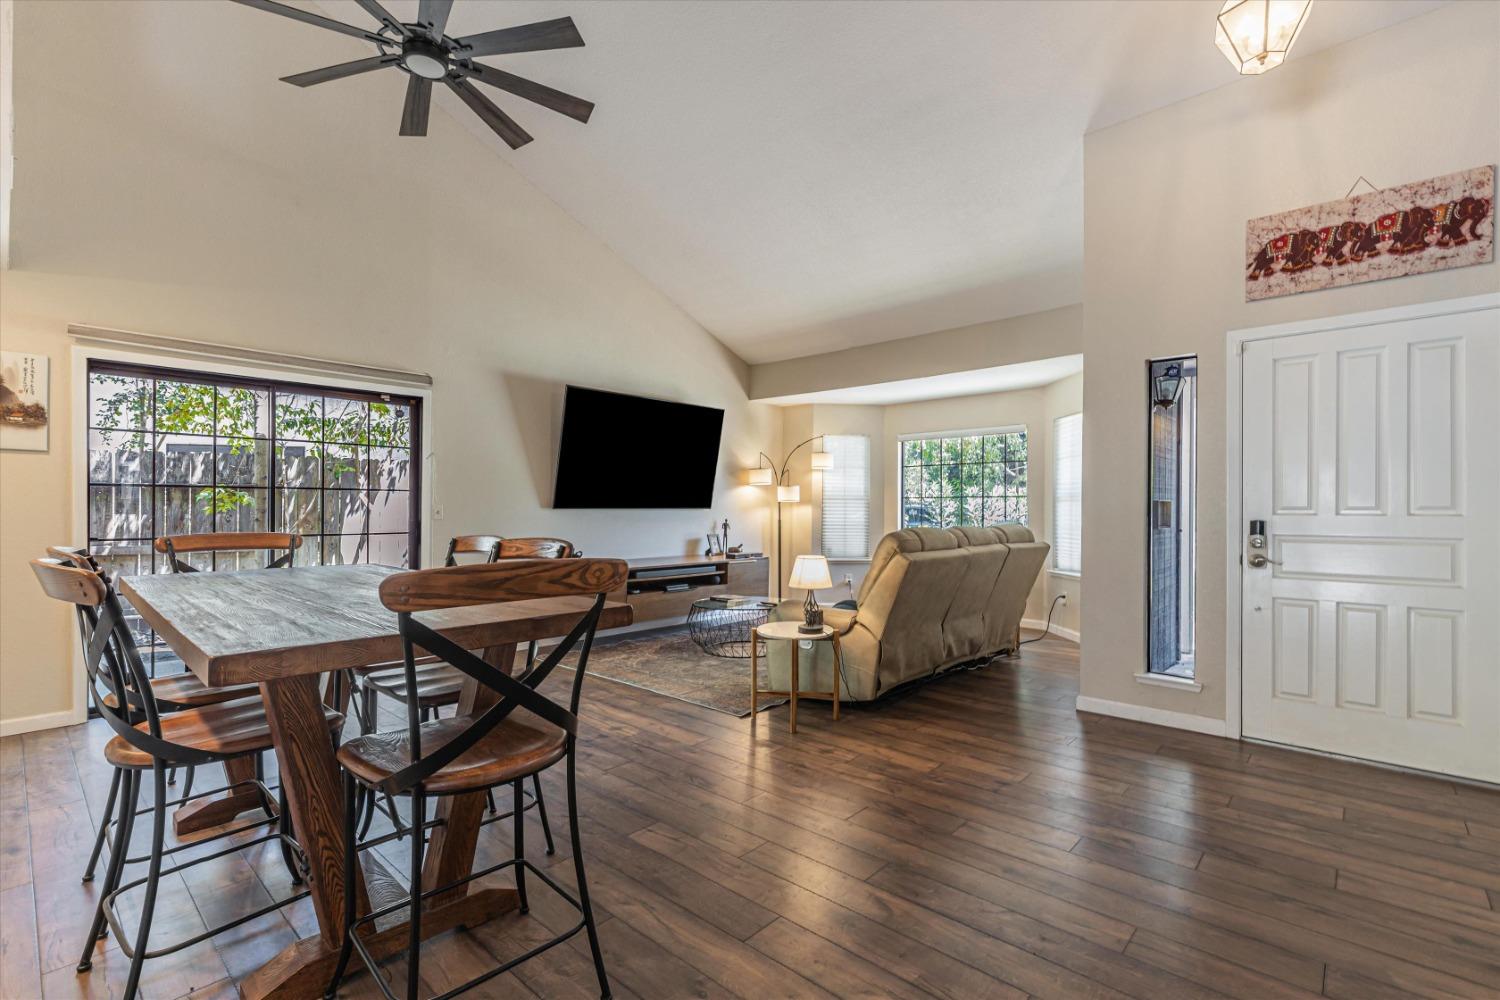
<point>1057,630</point>
<point>1154,716</point>
<point>32,723</point>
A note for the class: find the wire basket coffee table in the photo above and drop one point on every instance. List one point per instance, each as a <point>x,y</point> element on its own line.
<point>722,627</point>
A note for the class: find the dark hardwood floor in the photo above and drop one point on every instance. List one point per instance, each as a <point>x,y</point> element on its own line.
<point>977,838</point>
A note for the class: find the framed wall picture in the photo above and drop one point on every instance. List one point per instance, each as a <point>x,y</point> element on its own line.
<point>24,401</point>
<point>1414,228</point>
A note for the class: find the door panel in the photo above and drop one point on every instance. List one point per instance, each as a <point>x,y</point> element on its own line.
<point>1373,455</point>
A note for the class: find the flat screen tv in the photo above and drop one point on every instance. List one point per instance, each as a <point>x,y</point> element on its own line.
<point>622,451</point>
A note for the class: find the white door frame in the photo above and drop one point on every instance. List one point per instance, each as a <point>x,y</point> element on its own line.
<point>1234,523</point>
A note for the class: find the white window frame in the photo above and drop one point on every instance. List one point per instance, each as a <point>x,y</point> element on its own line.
<point>1053,520</point>
<point>861,551</point>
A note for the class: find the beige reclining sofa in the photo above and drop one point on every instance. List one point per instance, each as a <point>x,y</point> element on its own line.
<point>934,598</point>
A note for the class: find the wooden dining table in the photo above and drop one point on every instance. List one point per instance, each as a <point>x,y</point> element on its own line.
<point>283,629</point>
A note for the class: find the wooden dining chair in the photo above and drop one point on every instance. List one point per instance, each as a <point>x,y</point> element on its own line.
<point>148,740</point>
<point>440,685</point>
<point>518,737</point>
<point>216,542</point>
<point>172,693</point>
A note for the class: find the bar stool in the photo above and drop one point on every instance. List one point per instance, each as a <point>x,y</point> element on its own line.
<point>172,693</point>
<point>147,740</point>
<point>438,684</point>
<point>476,753</point>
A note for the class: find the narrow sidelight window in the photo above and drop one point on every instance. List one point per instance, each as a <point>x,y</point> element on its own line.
<point>1171,515</point>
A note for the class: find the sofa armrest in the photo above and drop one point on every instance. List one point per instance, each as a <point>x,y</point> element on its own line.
<point>840,620</point>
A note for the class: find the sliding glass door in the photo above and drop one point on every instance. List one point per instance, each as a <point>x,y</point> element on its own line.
<point>182,452</point>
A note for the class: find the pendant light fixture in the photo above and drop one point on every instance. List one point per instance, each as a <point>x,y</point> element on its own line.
<point>1256,35</point>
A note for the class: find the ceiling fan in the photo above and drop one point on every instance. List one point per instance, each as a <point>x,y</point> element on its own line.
<point>427,55</point>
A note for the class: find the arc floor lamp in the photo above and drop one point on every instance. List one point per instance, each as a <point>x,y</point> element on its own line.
<point>767,474</point>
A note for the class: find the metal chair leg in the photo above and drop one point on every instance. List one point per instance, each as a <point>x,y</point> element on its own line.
<point>109,809</point>
<point>541,810</point>
<point>489,796</point>
<point>583,885</point>
<point>187,780</point>
<point>284,824</point>
<point>351,853</point>
<point>124,824</point>
<point>520,841</point>
<point>260,776</point>
<point>153,878</point>
<point>413,958</point>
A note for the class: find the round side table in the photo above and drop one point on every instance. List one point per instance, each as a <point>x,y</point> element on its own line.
<point>789,631</point>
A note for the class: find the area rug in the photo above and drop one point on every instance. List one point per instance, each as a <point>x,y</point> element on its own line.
<point>668,662</point>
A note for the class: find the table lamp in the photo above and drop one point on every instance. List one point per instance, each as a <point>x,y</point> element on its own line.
<point>809,573</point>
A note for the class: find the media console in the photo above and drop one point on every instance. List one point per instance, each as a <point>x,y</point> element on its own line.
<point>665,587</point>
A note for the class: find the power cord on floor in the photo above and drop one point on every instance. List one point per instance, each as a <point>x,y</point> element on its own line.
<point>1050,612</point>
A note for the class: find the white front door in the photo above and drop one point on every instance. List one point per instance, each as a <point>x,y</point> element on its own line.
<point>1372,453</point>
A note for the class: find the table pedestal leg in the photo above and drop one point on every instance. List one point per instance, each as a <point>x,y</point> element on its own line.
<point>216,810</point>
<point>450,853</point>
<point>310,773</point>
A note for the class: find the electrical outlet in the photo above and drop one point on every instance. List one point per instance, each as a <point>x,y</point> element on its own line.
<point>1065,600</point>
<point>848,580</point>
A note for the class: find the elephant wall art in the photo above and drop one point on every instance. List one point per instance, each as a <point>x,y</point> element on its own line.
<point>1429,225</point>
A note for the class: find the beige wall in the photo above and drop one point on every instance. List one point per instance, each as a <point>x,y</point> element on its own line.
<point>1166,199</point>
<point>1033,337</point>
<point>197,197</point>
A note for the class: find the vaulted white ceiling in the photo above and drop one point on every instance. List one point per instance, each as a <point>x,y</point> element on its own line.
<point>805,177</point>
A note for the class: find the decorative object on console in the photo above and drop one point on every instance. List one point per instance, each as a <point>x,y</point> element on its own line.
<point>1256,35</point>
<point>1428,225</point>
<point>810,573</point>
<point>426,55</point>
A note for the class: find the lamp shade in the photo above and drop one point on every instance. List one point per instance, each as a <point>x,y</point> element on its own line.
<point>810,573</point>
<point>822,460</point>
<point>788,494</point>
<point>762,476</point>
<point>1256,35</point>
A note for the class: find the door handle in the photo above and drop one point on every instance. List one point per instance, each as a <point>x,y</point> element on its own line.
<point>1256,540</point>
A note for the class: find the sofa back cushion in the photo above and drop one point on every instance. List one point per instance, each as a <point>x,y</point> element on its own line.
<point>936,596</point>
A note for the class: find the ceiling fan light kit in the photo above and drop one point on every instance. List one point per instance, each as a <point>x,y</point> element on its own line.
<point>428,55</point>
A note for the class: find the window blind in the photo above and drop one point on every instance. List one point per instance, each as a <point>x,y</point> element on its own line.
<point>1067,494</point>
<point>846,497</point>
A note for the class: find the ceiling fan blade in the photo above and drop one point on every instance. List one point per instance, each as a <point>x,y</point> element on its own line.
<point>315,19</point>
<point>566,104</point>
<point>418,104</point>
<point>379,13</point>
<point>555,34</point>
<point>434,14</point>
<point>340,71</point>
<point>505,127</point>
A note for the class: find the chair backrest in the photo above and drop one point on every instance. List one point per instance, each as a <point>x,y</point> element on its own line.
<point>271,542</point>
<point>74,555</point>
<point>537,548</point>
<point>111,660</point>
<point>487,546</point>
<point>493,583</point>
